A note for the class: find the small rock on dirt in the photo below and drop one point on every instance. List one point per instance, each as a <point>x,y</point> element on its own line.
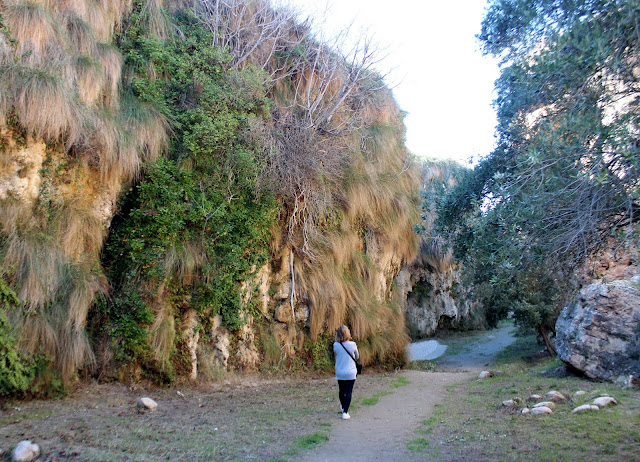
<point>604,401</point>
<point>535,397</point>
<point>525,411</point>
<point>579,393</point>
<point>556,396</point>
<point>485,374</point>
<point>25,451</point>
<point>549,404</point>
<point>146,404</point>
<point>541,410</point>
<point>585,408</point>
<point>509,403</point>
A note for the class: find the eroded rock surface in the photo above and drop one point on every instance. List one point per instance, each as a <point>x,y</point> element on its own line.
<point>598,333</point>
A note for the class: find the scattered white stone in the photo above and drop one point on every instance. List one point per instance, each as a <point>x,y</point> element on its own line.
<point>509,403</point>
<point>25,451</point>
<point>585,408</point>
<point>604,401</point>
<point>525,411</point>
<point>549,404</point>
<point>146,404</point>
<point>180,394</point>
<point>484,374</point>
<point>579,393</point>
<point>556,396</point>
<point>541,410</point>
<point>535,397</point>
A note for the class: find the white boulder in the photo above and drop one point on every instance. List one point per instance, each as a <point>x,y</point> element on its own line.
<point>146,404</point>
<point>525,411</point>
<point>535,397</point>
<point>579,393</point>
<point>604,401</point>
<point>484,374</point>
<point>25,451</point>
<point>585,408</point>
<point>541,410</point>
<point>556,396</point>
<point>549,404</point>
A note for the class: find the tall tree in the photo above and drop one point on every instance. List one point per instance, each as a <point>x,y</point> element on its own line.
<point>564,177</point>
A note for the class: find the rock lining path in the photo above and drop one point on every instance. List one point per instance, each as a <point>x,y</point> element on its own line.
<point>380,432</point>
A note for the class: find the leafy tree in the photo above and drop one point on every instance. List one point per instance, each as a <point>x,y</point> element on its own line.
<point>564,178</point>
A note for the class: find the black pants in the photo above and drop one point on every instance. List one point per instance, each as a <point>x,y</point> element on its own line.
<point>345,387</point>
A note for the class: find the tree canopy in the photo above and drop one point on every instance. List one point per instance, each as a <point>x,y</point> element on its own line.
<point>564,177</point>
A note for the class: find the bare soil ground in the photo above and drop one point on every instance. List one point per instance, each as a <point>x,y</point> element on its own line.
<point>243,418</point>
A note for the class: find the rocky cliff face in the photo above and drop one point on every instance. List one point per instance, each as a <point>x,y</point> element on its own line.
<point>599,332</point>
<point>431,293</point>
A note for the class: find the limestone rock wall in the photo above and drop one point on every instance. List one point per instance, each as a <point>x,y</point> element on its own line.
<point>432,295</point>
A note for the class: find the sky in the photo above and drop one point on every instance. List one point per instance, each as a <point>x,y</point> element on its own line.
<point>437,71</point>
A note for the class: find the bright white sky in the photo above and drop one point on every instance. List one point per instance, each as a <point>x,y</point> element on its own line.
<point>443,81</point>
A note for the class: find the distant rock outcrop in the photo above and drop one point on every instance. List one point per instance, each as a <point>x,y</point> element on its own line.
<point>599,332</point>
<point>431,286</point>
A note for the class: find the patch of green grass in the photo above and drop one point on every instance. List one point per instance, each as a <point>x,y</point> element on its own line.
<point>306,442</point>
<point>471,420</point>
<point>39,415</point>
<point>427,426</point>
<point>311,441</point>
<point>400,382</point>
<point>523,351</point>
<point>418,445</point>
<point>374,399</point>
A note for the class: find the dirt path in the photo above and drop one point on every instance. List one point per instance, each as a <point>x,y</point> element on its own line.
<point>381,432</point>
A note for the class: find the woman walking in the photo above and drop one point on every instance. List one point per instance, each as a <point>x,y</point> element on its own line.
<point>346,352</point>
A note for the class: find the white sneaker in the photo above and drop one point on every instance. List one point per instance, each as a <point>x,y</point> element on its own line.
<point>345,416</point>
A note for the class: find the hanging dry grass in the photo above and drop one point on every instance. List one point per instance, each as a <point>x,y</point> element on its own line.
<point>90,80</point>
<point>79,34</point>
<point>44,104</point>
<point>33,28</point>
<point>157,23</point>
<point>111,63</point>
<point>184,262</point>
<point>63,86</point>
<point>163,333</point>
<point>147,130</point>
<point>80,232</point>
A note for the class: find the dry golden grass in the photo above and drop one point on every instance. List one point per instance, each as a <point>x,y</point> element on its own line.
<point>185,262</point>
<point>44,104</point>
<point>79,34</point>
<point>90,80</point>
<point>33,28</point>
<point>79,231</point>
<point>111,62</point>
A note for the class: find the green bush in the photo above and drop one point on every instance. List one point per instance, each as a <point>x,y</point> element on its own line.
<point>196,226</point>
<point>16,371</point>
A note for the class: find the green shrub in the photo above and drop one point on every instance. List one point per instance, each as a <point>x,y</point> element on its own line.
<point>16,371</point>
<point>196,226</point>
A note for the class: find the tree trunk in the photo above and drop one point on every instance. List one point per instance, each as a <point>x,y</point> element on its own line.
<point>552,351</point>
